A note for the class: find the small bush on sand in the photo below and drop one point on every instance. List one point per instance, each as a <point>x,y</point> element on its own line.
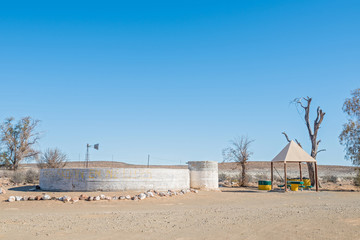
<point>223,177</point>
<point>261,176</point>
<point>357,179</point>
<point>32,176</point>
<point>18,177</point>
<point>332,178</point>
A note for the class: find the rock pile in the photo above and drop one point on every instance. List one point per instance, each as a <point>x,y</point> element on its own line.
<point>141,196</point>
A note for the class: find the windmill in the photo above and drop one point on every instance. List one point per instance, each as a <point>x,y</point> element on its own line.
<point>95,146</point>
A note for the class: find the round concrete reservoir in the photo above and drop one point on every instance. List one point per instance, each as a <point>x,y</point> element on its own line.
<point>204,175</point>
<point>114,179</point>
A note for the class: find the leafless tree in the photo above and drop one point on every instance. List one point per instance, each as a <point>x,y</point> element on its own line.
<point>18,140</point>
<point>239,152</point>
<point>312,131</point>
<point>52,158</point>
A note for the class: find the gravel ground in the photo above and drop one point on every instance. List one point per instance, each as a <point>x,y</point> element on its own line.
<point>234,213</point>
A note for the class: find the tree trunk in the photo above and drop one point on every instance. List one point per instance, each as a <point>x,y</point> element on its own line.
<point>312,134</point>
<point>311,173</point>
<point>243,175</point>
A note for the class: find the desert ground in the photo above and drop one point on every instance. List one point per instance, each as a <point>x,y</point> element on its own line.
<point>231,213</point>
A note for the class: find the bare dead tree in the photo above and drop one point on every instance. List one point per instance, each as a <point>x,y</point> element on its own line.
<point>52,158</point>
<point>312,131</point>
<point>18,140</point>
<point>239,152</point>
<point>287,138</point>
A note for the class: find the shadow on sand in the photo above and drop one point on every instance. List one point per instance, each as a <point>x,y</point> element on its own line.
<point>27,188</point>
<point>246,190</point>
<point>255,190</point>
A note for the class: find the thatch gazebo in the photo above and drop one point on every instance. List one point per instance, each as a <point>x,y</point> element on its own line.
<point>293,153</point>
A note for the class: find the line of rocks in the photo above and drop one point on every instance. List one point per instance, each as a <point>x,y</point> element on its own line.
<point>141,196</point>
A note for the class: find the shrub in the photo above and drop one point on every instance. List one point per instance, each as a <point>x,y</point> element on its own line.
<point>52,158</point>
<point>18,177</point>
<point>223,177</point>
<point>357,179</point>
<point>32,176</point>
<point>332,178</point>
<point>261,176</point>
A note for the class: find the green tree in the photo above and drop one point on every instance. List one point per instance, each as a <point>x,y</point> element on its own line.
<point>18,140</point>
<point>350,135</point>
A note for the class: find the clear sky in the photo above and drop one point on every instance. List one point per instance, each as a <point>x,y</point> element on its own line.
<point>178,79</point>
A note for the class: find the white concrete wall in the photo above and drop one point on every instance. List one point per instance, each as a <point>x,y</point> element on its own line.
<point>204,175</point>
<point>114,179</point>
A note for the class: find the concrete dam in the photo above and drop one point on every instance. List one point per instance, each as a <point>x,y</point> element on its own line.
<point>199,175</point>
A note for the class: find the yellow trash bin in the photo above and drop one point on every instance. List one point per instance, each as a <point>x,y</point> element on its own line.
<point>294,187</point>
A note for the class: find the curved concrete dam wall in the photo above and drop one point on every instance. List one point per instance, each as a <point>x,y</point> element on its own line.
<point>204,175</point>
<point>114,179</point>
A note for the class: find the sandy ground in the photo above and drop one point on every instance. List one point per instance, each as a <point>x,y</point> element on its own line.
<point>234,213</point>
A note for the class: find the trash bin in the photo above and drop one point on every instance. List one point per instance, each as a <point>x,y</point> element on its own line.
<point>294,187</point>
<point>264,185</point>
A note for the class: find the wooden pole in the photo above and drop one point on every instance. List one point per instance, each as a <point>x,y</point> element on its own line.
<point>316,178</point>
<point>285,177</point>
<point>300,171</point>
<point>272,175</point>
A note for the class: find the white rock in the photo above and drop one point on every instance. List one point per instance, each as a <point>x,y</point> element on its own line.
<point>18,198</point>
<point>102,197</point>
<point>11,199</point>
<point>150,194</point>
<point>107,198</point>
<point>114,198</point>
<point>65,199</point>
<point>46,197</point>
<point>127,197</point>
<point>142,196</point>
<point>135,198</point>
<point>97,198</point>
<point>162,194</point>
<point>122,198</point>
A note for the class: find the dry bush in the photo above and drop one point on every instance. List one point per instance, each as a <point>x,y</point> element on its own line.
<point>261,176</point>
<point>330,178</point>
<point>357,179</point>
<point>52,158</point>
<point>18,177</point>
<point>32,176</point>
<point>223,177</point>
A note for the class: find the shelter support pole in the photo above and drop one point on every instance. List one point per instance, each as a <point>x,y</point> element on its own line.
<point>285,179</point>
<point>272,175</point>
<point>316,177</point>
<point>300,171</point>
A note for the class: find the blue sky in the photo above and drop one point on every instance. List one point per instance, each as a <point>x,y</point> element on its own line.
<point>178,79</point>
